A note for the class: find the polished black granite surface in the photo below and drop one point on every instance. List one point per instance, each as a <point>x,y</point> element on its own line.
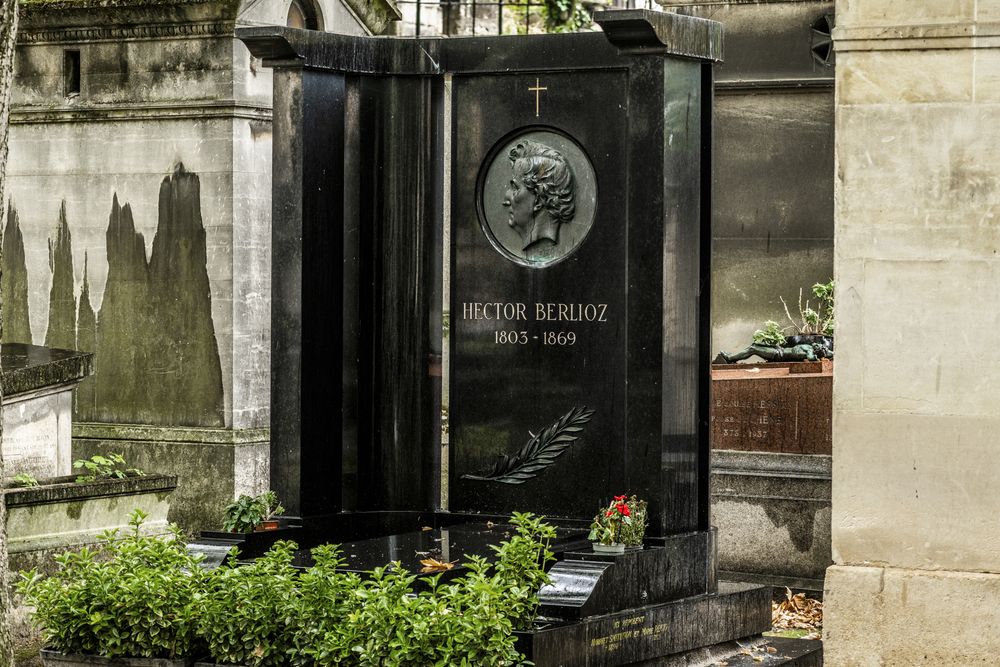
<point>451,544</point>
<point>610,314</point>
<point>574,351</point>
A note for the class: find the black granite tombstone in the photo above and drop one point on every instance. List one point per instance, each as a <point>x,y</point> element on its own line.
<point>543,201</point>
<point>600,318</point>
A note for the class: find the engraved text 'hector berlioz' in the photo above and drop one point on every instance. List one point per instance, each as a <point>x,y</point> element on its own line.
<point>539,312</point>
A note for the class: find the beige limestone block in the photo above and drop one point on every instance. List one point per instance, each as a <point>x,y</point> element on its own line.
<point>889,617</point>
<point>932,332</point>
<point>849,368</point>
<point>987,75</point>
<point>894,77</point>
<point>987,10</point>
<point>903,12</point>
<point>916,491</point>
<point>918,181</point>
<point>53,162</point>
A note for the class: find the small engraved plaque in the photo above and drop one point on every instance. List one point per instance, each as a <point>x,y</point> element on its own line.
<point>537,197</point>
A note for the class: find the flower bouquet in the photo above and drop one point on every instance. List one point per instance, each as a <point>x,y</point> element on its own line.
<point>619,525</point>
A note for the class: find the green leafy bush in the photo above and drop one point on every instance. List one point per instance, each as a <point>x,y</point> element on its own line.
<point>112,466</point>
<point>146,597</point>
<point>248,611</point>
<point>819,320</point>
<point>813,321</point>
<point>326,598</point>
<point>772,334</point>
<point>247,512</point>
<point>468,621</point>
<point>133,596</point>
<point>24,480</point>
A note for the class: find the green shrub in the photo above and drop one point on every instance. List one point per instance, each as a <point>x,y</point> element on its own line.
<point>772,334</point>
<point>24,480</point>
<point>146,597</point>
<point>112,466</point>
<point>468,621</point>
<point>247,512</point>
<point>326,598</point>
<point>134,596</point>
<point>521,562</point>
<point>248,611</point>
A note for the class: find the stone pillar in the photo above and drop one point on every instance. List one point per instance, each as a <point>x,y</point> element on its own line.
<point>916,579</point>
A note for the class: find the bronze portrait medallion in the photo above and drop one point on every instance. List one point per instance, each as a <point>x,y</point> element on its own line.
<point>537,197</point>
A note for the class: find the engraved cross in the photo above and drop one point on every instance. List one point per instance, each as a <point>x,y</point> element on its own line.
<point>537,90</point>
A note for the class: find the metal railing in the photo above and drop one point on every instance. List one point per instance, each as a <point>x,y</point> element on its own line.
<point>428,18</point>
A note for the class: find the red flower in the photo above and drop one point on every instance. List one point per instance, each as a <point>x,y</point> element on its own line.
<point>608,513</point>
<point>625,510</point>
<point>619,498</point>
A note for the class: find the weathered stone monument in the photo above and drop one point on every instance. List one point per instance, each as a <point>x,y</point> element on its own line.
<point>491,295</point>
<point>38,384</point>
<point>56,514</point>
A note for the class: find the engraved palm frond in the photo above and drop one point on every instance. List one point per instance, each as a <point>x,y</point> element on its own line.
<point>539,452</point>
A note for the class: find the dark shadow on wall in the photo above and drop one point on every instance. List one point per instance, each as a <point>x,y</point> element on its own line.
<point>85,397</point>
<point>121,369</point>
<point>156,357</point>
<point>62,301</point>
<point>14,283</point>
<point>186,380</point>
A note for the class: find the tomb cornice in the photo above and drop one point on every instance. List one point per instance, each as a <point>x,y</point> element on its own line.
<point>290,47</point>
<point>641,31</point>
<point>921,36</point>
<point>137,110</point>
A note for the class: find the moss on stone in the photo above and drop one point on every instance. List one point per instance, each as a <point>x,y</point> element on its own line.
<point>74,510</point>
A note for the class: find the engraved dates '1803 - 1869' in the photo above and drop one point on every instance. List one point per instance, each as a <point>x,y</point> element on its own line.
<point>537,197</point>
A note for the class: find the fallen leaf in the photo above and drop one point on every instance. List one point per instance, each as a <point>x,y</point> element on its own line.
<point>426,528</point>
<point>771,649</point>
<point>797,612</point>
<point>434,565</point>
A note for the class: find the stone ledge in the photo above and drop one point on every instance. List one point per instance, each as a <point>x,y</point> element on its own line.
<point>917,37</point>
<point>895,616</point>
<point>30,367</point>
<point>192,435</point>
<point>773,515</point>
<point>78,20</point>
<point>139,111</point>
<point>810,466</point>
<point>646,31</point>
<point>653,631</point>
<point>214,466</point>
<point>65,489</point>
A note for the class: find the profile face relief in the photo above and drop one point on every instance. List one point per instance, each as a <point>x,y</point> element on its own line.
<point>521,203</point>
<point>540,195</point>
<point>536,196</point>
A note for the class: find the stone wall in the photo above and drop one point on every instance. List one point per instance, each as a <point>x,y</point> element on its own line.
<point>772,211</point>
<point>140,225</point>
<point>772,512</point>
<point>917,551</point>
